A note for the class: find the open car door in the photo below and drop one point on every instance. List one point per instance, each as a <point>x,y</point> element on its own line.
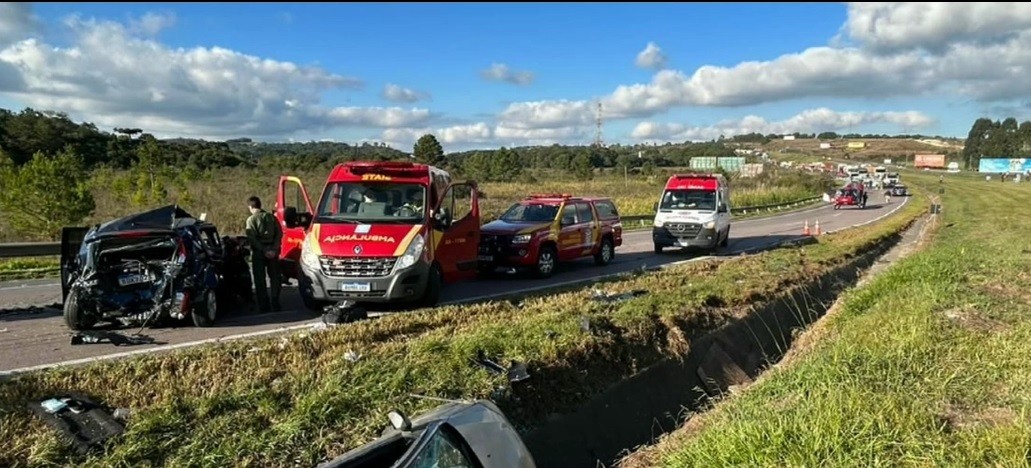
<point>294,212</point>
<point>456,231</point>
<point>71,242</point>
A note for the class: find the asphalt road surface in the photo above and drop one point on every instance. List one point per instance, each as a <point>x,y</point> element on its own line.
<point>35,337</point>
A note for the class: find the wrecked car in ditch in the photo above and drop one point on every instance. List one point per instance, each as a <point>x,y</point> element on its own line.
<point>149,267</point>
<point>457,433</point>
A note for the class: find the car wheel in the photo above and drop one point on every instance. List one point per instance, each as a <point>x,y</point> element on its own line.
<point>74,316</point>
<point>546,261</point>
<point>605,253</point>
<point>434,284</point>
<point>205,315</point>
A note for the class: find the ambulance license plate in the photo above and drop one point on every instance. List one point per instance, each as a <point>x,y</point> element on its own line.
<point>355,287</point>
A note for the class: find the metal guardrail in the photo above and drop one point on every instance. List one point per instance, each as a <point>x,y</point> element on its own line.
<point>48,249</point>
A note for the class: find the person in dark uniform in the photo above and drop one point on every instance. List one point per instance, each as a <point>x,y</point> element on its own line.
<point>264,236</point>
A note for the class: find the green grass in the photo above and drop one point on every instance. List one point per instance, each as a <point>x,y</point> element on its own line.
<point>926,365</point>
<point>29,267</point>
<point>284,401</point>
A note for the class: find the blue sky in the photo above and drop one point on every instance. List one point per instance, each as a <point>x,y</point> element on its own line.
<point>486,75</point>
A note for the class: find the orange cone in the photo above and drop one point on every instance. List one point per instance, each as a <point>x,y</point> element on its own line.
<point>805,229</point>
<point>816,228</point>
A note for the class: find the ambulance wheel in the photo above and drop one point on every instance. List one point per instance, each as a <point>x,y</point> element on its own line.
<point>726,239</point>
<point>658,249</point>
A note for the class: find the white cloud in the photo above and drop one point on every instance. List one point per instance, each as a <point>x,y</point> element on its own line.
<point>934,26</point>
<point>809,121</point>
<point>112,77</point>
<point>395,93</point>
<point>502,72</point>
<point>16,22</point>
<point>651,57</point>
<point>150,24</point>
<point>480,134</point>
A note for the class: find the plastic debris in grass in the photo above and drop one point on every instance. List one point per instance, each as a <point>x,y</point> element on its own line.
<point>516,372</point>
<point>79,420</point>
<point>602,296</point>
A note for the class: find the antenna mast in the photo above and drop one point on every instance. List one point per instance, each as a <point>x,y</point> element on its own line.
<point>597,138</point>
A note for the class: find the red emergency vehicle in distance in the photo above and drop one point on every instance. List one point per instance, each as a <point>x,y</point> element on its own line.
<point>853,194</point>
<point>381,232</point>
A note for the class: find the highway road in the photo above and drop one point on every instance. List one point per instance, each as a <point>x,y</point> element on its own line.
<point>37,337</point>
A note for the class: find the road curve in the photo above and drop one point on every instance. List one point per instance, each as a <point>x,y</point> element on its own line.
<point>38,338</point>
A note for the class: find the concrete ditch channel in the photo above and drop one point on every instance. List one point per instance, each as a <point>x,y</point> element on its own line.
<point>638,410</point>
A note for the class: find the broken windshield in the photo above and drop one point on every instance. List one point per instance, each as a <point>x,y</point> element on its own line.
<point>372,202</point>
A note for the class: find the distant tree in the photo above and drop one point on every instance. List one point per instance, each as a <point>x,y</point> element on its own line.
<point>427,150</point>
<point>582,168</point>
<point>828,136</point>
<point>504,166</point>
<point>45,194</point>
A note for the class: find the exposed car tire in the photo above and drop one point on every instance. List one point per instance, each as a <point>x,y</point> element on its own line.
<point>205,315</point>
<point>434,283</point>
<point>606,253</point>
<point>73,314</point>
<point>547,260</point>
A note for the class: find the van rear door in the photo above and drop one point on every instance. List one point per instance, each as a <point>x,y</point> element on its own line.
<point>294,212</point>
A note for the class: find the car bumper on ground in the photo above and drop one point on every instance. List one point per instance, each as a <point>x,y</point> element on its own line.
<point>703,238</point>
<point>404,285</point>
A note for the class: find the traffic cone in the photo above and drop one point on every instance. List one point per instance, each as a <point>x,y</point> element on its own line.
<point>805,229</point>
<point>816,228</point>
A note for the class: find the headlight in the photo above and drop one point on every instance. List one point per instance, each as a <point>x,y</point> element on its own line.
<point>308,257</point>
<point>710,225</point>
<point>412,253</point>
<point>522,239</point>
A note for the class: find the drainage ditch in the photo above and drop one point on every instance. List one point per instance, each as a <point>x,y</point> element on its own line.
<point>638,410</point>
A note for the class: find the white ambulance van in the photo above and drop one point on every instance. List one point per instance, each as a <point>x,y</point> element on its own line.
<point>693,211</point>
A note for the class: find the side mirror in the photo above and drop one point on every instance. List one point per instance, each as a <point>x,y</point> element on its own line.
<point>723,208</point>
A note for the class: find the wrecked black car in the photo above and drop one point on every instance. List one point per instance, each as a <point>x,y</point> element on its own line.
<point>149,267</point>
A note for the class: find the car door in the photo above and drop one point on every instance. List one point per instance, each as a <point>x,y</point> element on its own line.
<point>456,232</point>
<point>294,213</point>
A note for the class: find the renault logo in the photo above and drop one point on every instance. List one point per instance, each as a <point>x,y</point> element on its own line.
<point>358,249</point>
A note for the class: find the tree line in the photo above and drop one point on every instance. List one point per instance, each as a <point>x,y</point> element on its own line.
<point>997,139</point>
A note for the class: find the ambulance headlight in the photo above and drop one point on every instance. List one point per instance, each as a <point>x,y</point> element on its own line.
<point>412,253</point>
<point>710,225</point>
<point>308,257</point>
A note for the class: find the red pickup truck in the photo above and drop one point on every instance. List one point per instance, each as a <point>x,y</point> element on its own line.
<point>542,230</point>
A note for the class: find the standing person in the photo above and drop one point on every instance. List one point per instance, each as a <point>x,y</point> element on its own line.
<point>264,236</point>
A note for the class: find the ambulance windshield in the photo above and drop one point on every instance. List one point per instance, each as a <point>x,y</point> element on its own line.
<point>688,199</point>
<point>372,202</point>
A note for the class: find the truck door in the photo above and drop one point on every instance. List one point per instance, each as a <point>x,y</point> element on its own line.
<point>589,229</point>
<point>571,235</point>
<point>456,232</point>
<point>294,213</point>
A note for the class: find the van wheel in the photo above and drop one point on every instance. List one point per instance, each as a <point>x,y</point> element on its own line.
<point>434,283</point>
<point>658,249</point>
<point>207,312</point>
<point>726,240</point>
<point>546,261</point>
<point>605,253</point>
<point>73,314</point>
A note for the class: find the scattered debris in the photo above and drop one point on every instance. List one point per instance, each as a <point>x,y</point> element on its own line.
<point>516,372</point>
<point>81,421</point>
<point>122,414</point>
<point>115,338</point>
<point>601,296</point>
<point>352,356</point>
<point>343,312</point>
<point>3,330</point>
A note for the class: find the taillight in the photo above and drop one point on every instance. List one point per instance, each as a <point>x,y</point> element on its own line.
<point>180,256</point>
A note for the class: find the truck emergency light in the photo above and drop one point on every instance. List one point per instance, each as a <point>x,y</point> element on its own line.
<point>550,195</point>
<point>386,167</point>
